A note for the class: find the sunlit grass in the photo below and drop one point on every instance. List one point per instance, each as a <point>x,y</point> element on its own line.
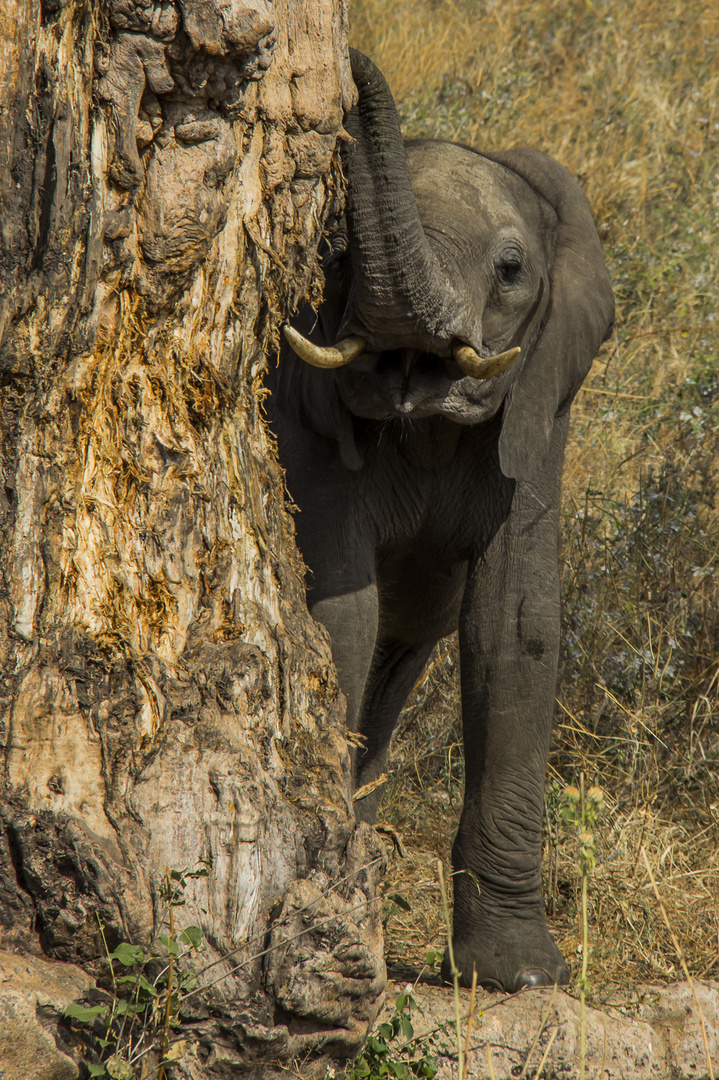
<point>627,98</point>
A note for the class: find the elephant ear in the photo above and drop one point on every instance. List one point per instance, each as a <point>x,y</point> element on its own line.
<point>579,317</point>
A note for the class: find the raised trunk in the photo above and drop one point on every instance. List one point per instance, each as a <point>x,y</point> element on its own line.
<point>165,699</point>
<point>402,295</point>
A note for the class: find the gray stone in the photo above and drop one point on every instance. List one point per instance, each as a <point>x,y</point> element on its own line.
<point>31,988</point>
<point>676,1013</point>
<point>654,1036</point>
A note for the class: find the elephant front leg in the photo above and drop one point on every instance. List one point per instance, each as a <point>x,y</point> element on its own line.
<point>351,621</point>
<point>395,669</point>
<point>509,644</point>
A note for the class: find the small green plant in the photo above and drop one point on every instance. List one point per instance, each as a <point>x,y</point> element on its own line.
<point>393,1050</point>
<point>147,988</point>
<point>581,812</point>
<point>393,904</point>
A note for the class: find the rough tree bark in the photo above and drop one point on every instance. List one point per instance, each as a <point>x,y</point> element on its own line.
<point>167,169</point>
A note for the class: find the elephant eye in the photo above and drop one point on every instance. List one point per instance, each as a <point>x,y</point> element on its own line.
<point>508,266</point>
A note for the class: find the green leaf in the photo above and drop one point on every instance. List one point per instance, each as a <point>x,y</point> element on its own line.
<point>137,980</point>
<point>84,1014</point>
<point>96,1070</point>
<point>385,1030</point>
<point>205,872</point>
<point>407,1029</point>
<point>128,954</point>
<point>147,986</point>
<point>192,935</point>
<point>170,944</point>
<point>123,1006</point>
<point>401,1002</point>
<point>400,901</point>
<point>431,958</point>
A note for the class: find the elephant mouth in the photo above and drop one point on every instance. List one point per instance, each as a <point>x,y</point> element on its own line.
<point>405,384</point>
<point>469,362</point>
<point>426,380</point>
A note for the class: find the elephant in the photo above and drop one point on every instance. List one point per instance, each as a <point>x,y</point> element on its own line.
<point>421,415</point>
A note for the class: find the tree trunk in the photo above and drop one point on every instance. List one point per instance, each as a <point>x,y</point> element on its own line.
<point>165,699</point>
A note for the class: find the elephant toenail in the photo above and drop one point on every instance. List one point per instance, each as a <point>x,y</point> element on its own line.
<point>530,980</point>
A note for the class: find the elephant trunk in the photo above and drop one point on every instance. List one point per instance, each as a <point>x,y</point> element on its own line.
<point>401,294</point>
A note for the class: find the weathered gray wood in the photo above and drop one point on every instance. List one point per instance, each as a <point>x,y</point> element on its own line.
<point>164,697</point>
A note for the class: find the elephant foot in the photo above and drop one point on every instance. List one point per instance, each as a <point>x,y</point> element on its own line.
<point>510,963</point>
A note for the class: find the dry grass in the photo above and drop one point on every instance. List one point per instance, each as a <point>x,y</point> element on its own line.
<point>627,97</point>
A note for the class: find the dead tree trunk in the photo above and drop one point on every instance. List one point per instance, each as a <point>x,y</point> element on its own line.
<point>168,167</point>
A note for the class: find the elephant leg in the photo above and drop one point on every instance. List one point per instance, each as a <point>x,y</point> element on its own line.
<point>395,669</point>
<point>338,550</point>
<point>509,648</point>
<point>351,621</point>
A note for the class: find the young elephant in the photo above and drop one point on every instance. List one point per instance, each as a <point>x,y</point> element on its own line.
<point>421,419</point>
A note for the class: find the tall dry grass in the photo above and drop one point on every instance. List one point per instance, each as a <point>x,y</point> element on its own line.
<point>627,97</point>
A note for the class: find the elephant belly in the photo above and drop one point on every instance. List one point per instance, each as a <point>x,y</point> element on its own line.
<point>418,601</point>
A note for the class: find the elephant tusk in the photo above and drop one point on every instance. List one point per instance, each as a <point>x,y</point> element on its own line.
<point>473,365</point>
<point>322,356</point>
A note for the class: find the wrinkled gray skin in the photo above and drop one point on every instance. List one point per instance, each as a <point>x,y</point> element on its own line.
<point>429,501</point>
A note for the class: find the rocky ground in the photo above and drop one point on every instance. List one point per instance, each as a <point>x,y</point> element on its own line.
<point>656,1032</point>
<point>34,994</point>
<point>652,1033</point>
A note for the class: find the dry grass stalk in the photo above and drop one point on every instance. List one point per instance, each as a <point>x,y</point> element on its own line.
<point>683,962</point>
<point>470,1020</point>
<point>545,1055</point>
<point>461,1070</point>
<point>538,1036</point>
<point>490,1063</point>
<point>366,789</point>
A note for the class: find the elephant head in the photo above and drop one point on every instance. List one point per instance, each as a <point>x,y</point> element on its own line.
<point>470,283</point>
